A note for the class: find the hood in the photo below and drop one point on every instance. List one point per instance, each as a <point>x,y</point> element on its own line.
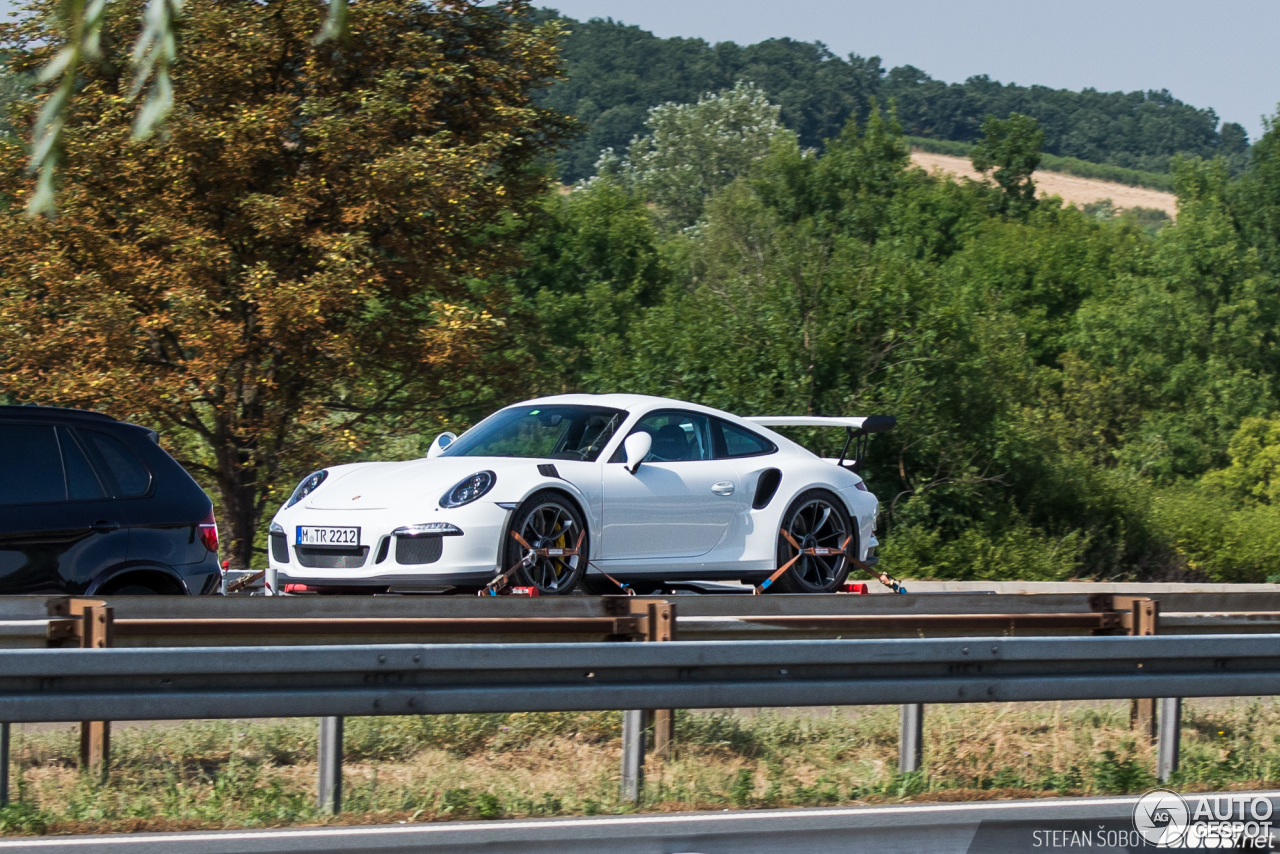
<point>377,486</point>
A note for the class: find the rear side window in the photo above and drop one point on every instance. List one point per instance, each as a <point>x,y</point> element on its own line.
<point>82,483</point>
<point>30,466</point>
<point>131,477</point>
<point>743,443</point>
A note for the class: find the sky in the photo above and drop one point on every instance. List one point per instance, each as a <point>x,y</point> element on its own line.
<point>1221,54</point>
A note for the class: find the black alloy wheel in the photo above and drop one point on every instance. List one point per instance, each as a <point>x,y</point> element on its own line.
<point>816,519</point>
<point>546,520</point>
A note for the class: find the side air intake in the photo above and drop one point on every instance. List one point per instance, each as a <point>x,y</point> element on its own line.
<point>766,487</point>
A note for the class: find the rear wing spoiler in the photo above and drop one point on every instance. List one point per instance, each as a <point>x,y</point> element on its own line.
<point>857,429</point>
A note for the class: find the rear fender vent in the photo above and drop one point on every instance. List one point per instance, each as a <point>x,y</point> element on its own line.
<point>766,488</point>
<point>548,470</point>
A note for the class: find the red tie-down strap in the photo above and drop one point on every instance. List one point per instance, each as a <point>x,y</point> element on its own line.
<point>818,551</point>
<point>530,553</point>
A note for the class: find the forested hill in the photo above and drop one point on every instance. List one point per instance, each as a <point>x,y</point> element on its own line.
<point>617,72</point>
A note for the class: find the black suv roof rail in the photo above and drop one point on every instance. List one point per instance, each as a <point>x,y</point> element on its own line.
<point>31,409</point>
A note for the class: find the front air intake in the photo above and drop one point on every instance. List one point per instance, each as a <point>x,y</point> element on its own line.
<point>412,551</point>
<point>322,557</point>
<point>279,548</point>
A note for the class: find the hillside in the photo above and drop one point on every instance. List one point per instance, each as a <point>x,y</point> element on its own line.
<point>617,72</point>
<point>1071,188</point>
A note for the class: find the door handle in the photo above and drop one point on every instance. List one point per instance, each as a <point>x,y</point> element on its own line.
<point>103,527</point>
<point>724,487</point>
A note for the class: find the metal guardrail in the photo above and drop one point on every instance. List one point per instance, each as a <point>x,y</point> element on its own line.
<point>1065,610</point>
<point>382,679</point>
<point>949,828</point>
<point>130,684</point>
<point>36,622</point>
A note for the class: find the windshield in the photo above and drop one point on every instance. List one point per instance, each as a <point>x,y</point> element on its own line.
<point>550,432</point>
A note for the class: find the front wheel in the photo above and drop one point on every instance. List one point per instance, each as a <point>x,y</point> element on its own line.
<point>546,521</point>
<point>817,519</point>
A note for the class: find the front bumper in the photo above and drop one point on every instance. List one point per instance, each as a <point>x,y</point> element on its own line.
<point>433,562</point>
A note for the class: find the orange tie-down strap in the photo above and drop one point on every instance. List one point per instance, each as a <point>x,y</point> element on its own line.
<point>530,553</point>
<point>818,551</point>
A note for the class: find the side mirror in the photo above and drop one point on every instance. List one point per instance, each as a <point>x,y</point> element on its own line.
<point>441,442</point>
<point>637,448</point>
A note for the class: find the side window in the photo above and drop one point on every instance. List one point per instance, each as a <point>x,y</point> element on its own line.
<point>677,437</point>
<point>743,443</point>
<point>82,483</point>
<point>131,477</point>
<point>30,466</point>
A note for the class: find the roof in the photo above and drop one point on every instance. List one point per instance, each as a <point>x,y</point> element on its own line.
<point>30,411</point>
<point>615,400</point>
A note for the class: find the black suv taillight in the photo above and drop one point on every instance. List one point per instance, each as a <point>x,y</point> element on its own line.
<point>209,532</point>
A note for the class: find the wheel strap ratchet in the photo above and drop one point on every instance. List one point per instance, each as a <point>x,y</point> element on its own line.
<point>815,551</point>
<point>499,583</point>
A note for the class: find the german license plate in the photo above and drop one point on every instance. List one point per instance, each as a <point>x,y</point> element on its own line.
<point>327,535</point>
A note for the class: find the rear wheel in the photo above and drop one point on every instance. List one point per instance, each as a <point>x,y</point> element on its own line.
<point>546,520</point>
<point>132,588</point>
<point>816,519</point>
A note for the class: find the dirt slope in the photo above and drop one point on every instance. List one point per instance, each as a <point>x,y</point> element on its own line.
<point>1072,189</point>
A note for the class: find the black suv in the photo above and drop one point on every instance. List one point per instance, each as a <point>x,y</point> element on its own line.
<point>92,505</point>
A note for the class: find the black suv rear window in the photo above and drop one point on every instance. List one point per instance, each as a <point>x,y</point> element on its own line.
<point>131,477</point>
<point>30,466</point>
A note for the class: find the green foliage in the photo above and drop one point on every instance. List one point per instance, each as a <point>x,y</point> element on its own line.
<point>22,818</point>
<point>1254,474</point>
<point>1119,772</point>
<point>1011,147</point>
<point>1079,393</point>
<point>693,150</point>
<point>617,72</point>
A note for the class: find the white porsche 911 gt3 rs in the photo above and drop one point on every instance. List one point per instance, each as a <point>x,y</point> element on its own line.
<point>582,489</point>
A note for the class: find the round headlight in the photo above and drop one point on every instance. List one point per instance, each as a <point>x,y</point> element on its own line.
<point>309,484</point>
<point>471,488</point>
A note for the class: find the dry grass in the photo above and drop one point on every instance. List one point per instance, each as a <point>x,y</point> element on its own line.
<point>239,773</point>
<point>1072,189</point>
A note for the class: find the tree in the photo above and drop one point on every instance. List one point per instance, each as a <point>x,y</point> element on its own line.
<point>1012,148</point>
<point>304,250</point>
<point>692,150</point>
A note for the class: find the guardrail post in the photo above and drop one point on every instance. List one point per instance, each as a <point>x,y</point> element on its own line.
<point>657,624</point>
<point>1144,617</point>
<point>1170,739</point>
<point>95,736</point>
<point>4,764</point>
<point>662,627</point>
<point>329,758</point>
<point>911,738</point>
<point>632,755</point>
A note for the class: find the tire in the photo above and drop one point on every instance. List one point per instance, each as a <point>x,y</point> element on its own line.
<point>132,589</point>
<point>820,509</point>
<point>538,520</point>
